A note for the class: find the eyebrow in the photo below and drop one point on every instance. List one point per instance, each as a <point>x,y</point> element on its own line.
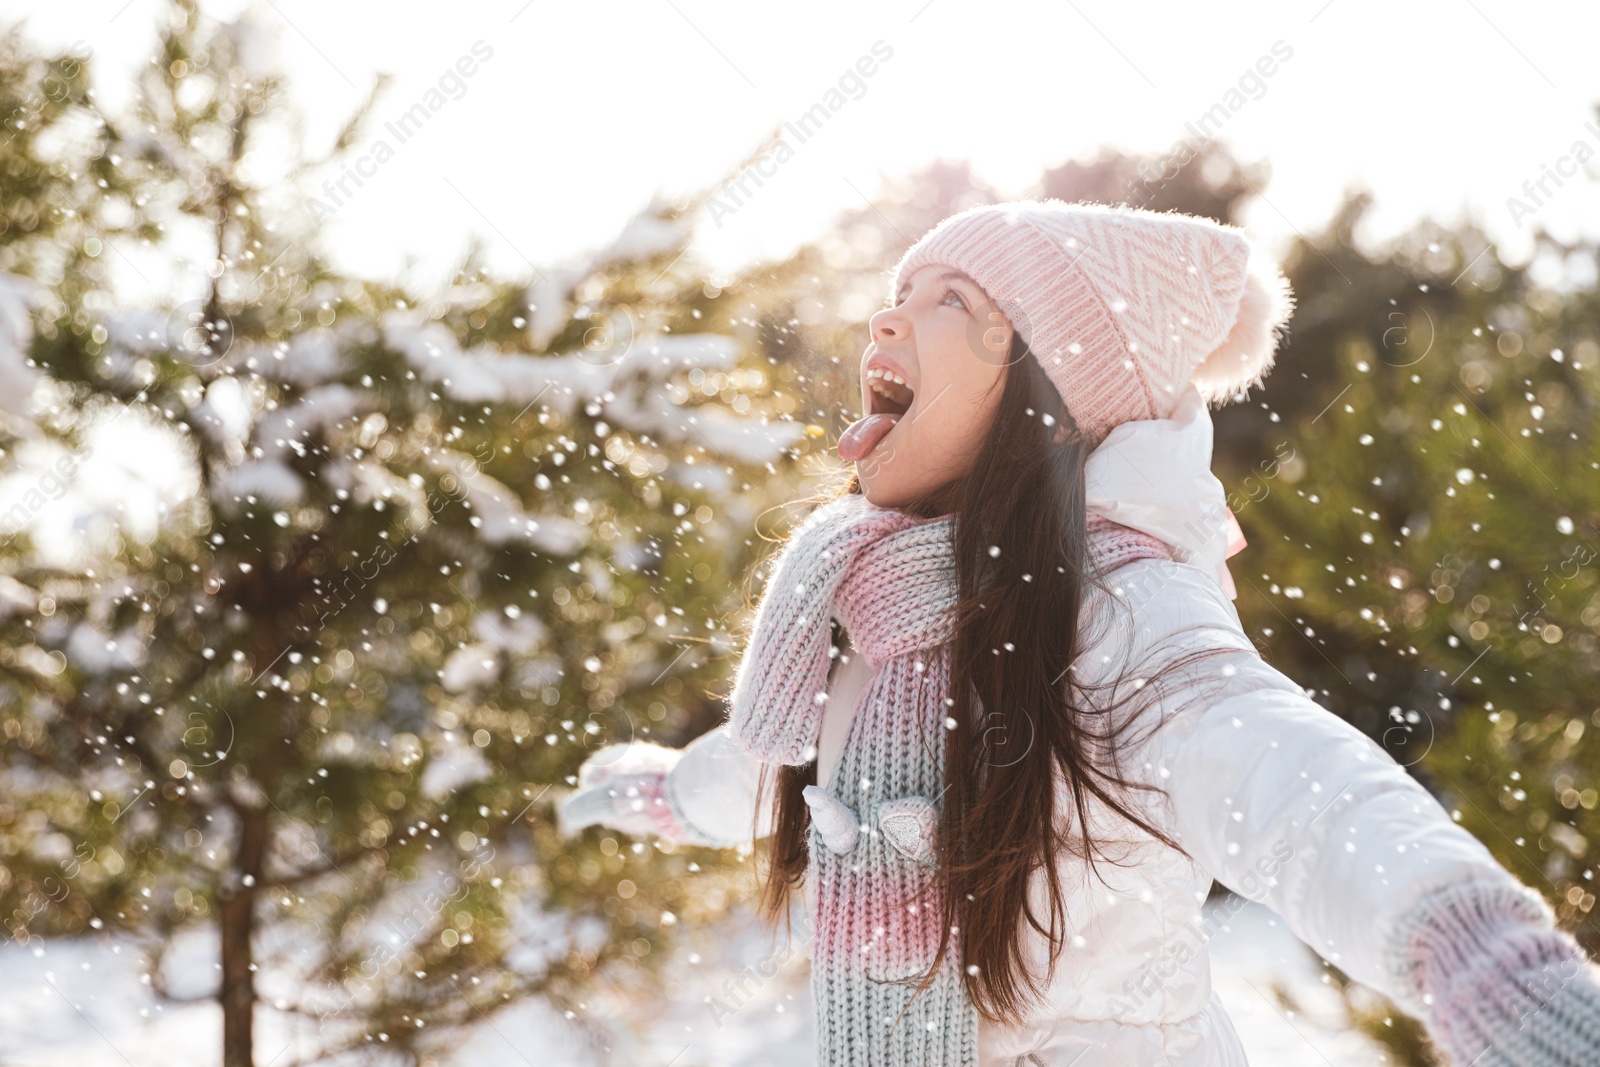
<point>945,275</point>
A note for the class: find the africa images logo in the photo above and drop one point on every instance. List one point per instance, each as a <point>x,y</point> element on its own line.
<point>451,85</point>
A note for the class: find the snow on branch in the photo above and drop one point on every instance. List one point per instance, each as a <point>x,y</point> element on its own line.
<point>498,510</point>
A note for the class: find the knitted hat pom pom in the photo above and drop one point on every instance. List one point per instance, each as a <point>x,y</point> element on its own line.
<point>1242,360</point>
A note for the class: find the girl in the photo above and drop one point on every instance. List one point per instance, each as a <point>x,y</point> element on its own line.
<point>1015,724</point>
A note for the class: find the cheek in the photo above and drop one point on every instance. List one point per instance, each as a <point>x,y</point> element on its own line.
<point>971,397</point>
<point>969,416</point>
<point>945,436</point>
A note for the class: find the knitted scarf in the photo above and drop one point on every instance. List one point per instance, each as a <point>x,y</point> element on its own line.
<point>889,578</point>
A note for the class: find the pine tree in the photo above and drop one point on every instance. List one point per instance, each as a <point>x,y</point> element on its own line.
<point>433,550</point>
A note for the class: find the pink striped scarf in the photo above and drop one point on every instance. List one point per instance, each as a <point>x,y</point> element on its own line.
<point>889,578</point>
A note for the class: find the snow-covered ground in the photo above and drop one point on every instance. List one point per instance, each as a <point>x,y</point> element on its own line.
<point>82,1004</point>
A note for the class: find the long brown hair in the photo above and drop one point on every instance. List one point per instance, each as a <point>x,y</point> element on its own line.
<point>1016,634</point>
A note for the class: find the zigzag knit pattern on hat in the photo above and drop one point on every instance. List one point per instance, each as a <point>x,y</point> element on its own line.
<point>889,578</point>
<point>1121,306</point>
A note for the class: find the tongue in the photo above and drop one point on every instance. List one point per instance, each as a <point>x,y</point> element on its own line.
<point>864,434</point>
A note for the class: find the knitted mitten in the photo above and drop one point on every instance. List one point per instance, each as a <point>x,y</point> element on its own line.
<point>624,787</point>
<point>1503,987</point>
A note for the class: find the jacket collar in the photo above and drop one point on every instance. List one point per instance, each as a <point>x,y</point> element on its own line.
<point>1155,475</point>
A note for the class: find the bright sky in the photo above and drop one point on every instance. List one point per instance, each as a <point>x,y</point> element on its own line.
<point>583,111</point>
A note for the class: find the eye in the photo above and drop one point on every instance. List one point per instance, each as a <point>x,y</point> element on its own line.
<point>948,293</point>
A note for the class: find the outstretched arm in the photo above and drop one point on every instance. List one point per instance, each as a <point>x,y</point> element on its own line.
<point>1285,803</point>
<point>702,794</point>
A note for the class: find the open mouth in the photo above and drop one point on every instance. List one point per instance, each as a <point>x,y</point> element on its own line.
<point>887,394</point>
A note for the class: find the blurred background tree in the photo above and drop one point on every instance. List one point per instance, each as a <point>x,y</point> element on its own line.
<point>422,553</point>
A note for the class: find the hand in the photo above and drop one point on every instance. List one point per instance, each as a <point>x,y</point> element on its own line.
<point>623,787</point>
<point>1507,990</point>
<point>631,803</point>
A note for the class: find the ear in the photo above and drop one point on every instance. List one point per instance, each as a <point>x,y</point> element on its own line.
<point>1244,357</point>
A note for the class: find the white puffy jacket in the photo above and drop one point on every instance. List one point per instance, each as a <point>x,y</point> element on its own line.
<point>1274,796</point>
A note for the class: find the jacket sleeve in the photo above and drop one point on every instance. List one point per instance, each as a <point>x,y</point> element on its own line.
<point>1286,804</point>
<point>712,788</point>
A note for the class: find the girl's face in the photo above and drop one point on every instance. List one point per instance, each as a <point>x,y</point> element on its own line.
<point>949,344</point>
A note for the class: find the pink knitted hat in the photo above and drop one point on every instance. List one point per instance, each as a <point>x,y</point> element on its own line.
<point>1122,307</point>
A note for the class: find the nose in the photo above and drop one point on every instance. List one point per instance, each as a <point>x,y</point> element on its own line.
<point>888,323</point>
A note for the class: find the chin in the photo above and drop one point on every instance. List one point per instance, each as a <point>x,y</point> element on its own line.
<point>876,495</point>
<point>880,497</point>
<point>927,501</point>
